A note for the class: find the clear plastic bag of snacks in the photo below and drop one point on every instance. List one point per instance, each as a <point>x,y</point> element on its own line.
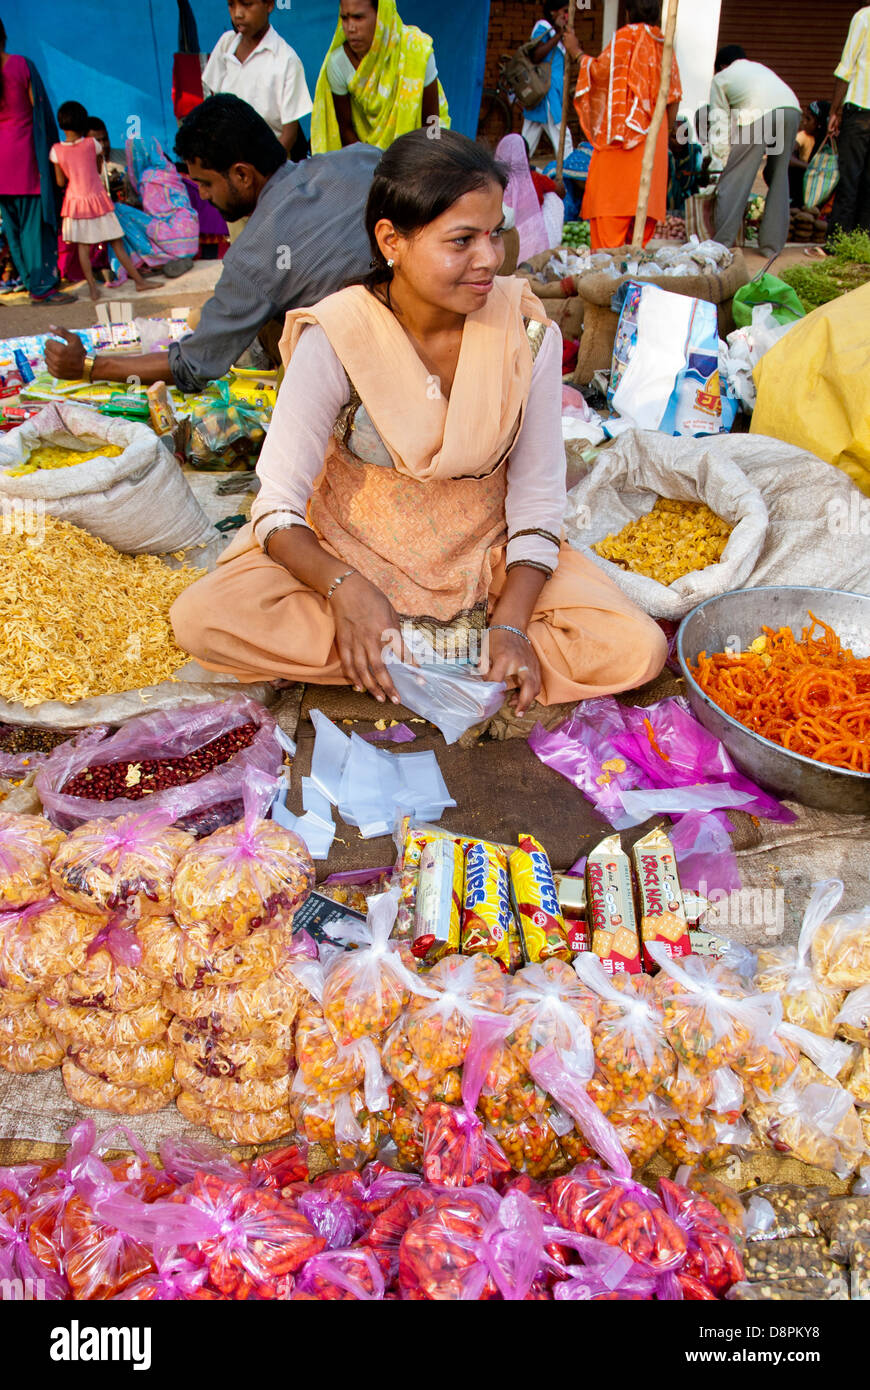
<point>464,987</point>
<point>709,1021</point>
<point>341,1122</point>
<point>723,1197</point>
<point>713,1257</point>
<point>145,1065</point>
<point>21,1023</point>
<point>628,1040</point>
<point>457,1151</point>
<point>688,1093</point>
<point>104,1028</point>
<point>640,1130</point>
<point>547,1003</point>
<point>238,1010</point>
<point>322,1063</point>
<point>240,1094</point>
<point>840,950</point>
<point>365,990</point>
<point>100,983</point>
<point>858,1081</point>
<point>406,1132</point>
<point>787,971</point>
<point>708,1140</point>
<point>267,1054</point>
<point>814,1289</point>
<point>40,1054</point>
<point>123,865</point>
<point>247,1127</point>
<point>842,1221</point>
<point>252,874</point>
<point>472,1246</point>
<point>40,942</point>
<point>421,1084</point>
<point>821,1058</point>
<point>853,1019</point>
<point>531,1142</point>
<point>120,1100</point>
<point>777,1211</point>
<point>771,1056</point>
<point>384,1236</point>
<point>194,957</point>
<point>816,1123</point>
<point>27,846</point>
<point>345,1275</point>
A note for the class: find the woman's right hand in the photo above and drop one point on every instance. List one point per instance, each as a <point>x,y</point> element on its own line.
<point>365,623</point>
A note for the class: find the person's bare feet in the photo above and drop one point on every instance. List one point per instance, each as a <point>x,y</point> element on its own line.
<point>149,285</point>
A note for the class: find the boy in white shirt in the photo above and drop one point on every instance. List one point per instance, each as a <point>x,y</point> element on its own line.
<point>253,62</point>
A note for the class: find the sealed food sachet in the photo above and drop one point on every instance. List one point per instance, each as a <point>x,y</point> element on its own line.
<point>663,918</point>
<point>610,908</point>
<point>709,1020</point>
<point>840,950</point>
<point>438,910</point>
<point>457,1151</point>
<point>536,904</point>
<point>462,988</point>
<point>40,942</point>
<point>486,909</point>
<point>547,1003</point>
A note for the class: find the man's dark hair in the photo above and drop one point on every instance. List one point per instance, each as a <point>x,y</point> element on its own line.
<point>224,130</point>
<point>94,123</point>
<point>644,11</point>
<point>71,115</point>
<point>731,53</point>
<point>417,179</point>
<point>551,7</point>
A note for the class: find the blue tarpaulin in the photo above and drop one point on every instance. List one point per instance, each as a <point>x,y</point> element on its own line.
<point>117,59</point>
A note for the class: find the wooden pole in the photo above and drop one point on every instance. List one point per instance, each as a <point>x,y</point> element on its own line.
<point>560,157</point>
<point>652,135</point>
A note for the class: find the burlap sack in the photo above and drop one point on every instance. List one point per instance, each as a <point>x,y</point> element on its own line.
<point>559,297</point>
<point>597,289</point>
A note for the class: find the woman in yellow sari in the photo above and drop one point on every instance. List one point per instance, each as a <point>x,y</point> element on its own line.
<point>378,80</point>
<point>413,477</point>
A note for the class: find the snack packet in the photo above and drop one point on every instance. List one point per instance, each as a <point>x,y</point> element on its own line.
<point>486,909</point>
<point>709,1021</point>
<point>122,865</point>
<point>457,1152</point>
<point>438,905</point>
<point>662,916</point>
<point>787,970</point>
<point>547,1003</point>
<point>536,907</point>
<point>27,846</point>
<point>462,988</point>
<point>628,1040</point>
<point>610,908</point>
<point>840,950</point>
<point>365,990</point>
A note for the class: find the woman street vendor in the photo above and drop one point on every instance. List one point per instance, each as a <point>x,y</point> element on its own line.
<point>414,469</point>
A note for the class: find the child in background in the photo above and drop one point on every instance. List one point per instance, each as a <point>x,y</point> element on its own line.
<point>87,212</point>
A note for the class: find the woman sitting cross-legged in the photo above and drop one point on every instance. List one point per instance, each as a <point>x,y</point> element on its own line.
<point>414,470</point>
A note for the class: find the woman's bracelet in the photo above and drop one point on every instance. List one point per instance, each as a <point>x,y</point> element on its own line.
<point>340,580</point>
<point>506,627</point>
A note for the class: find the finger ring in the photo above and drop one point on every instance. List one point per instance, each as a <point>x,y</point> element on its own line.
<point>521,669</point>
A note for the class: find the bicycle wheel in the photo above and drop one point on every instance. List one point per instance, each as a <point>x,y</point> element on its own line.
<point>496,118</point>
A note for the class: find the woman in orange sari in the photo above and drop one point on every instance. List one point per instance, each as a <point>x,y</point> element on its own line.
<point>414,472</point>
<point>614,98</point>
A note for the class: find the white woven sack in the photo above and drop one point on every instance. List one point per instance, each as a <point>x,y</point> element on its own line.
<point>624,485</point>
<point>139,502</point>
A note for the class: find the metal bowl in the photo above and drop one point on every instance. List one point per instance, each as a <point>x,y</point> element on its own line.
<point>736,619</point>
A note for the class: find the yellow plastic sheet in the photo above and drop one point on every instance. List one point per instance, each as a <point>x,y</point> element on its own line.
<point>814,386</point>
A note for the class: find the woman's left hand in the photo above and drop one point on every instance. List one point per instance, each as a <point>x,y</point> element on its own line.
<point>513,660</point>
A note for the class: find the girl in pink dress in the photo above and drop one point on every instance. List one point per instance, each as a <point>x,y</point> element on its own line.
<point>88,212</point>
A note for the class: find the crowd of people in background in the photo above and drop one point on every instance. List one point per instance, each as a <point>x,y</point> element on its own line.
<point>379,80</point>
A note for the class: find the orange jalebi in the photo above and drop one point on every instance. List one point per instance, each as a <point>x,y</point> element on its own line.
<point>810,696</point>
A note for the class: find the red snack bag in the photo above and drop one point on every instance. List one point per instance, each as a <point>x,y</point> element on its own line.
<point>385,1234</point>
<point>257,1239</point>
<point>17,1261</point>
<point>457,1151</point>
<point>471,1246</point>
<point>345,1275</point>
<point>713,1259</point>
<point>175,1279</point>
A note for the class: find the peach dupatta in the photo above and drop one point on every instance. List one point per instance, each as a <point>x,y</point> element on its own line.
<point>426,435</point>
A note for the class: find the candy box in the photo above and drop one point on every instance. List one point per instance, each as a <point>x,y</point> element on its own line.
<point>610,908</point>
<point>662,915</point>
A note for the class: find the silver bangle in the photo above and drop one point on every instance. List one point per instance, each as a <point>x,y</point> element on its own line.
<point>506,627</point>
<point>340,580</point>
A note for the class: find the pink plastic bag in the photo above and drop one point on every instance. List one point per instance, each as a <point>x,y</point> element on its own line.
<point>164,734</point>
<point>345,1275</point>
<point>705,857</point>
<point>457,1151</point>
<point>604,748</point>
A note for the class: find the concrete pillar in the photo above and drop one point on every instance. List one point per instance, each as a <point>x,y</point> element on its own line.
<point>611,10</point>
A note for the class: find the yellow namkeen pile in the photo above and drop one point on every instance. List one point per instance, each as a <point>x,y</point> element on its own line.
<point>79,619</point>
<point>671,540</point>
<point>57,456</point>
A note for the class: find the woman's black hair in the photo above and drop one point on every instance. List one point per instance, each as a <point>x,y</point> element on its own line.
<point>71,115</point>
<point>419,178</point>
<point>643,12</point>
<point>94,123</point>
<point>224,130</point>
